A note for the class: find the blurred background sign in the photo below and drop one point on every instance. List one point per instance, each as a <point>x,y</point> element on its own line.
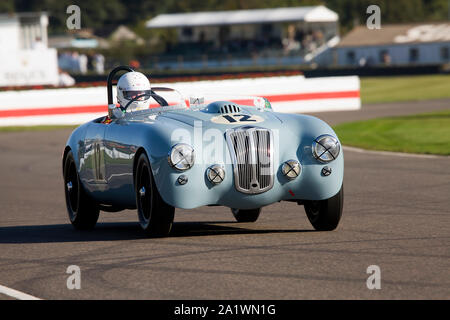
<point>25,58</point>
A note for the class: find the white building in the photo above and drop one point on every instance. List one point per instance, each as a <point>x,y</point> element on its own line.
<point>291,35</point>
<point>248,24</point>
<point>25,58</point>
<point>403,44</point>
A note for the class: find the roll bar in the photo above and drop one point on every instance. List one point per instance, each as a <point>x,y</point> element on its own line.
<point>110,79</point>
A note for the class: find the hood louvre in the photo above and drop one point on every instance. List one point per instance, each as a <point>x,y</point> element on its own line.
<point>229,108</point>
<point>222,107</point>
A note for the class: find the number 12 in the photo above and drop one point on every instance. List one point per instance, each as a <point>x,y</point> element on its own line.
<point>242,118</point>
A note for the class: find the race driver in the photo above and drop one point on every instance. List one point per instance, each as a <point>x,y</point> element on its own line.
<point>129,86</point>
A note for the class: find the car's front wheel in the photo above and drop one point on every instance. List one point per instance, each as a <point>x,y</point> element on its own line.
<point>83,212</point>
<point>325,215</point>
<point>246,215</point>
<point>155,216</point>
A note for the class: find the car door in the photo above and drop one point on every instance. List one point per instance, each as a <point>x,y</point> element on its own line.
<point>119,150</point>
<point>94,174</point>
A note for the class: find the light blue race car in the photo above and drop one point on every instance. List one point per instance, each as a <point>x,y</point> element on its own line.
<point>201,150</point>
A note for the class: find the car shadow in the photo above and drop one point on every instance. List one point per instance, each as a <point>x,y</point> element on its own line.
<point>195,229</point>
<point>117,231</point>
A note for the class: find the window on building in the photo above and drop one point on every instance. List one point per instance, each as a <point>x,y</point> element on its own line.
<point>187,32</point>
<point>381,54</point>
<point>267,29</point>
<point>413,55</point>
<point>384,57</point>
<point>351,57</point>
<point>224,34</point>
<point>445,54</point>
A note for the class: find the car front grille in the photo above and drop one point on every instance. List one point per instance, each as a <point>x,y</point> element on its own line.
<point>251,150</point>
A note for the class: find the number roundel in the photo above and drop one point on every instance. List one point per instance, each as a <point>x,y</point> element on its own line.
<point>236,119</point>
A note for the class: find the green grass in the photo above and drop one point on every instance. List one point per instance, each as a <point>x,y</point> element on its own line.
<point>427,133</point>
<point>404,88</point>
<point>35,128</point>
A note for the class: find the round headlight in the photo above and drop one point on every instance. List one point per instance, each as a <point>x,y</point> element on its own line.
<point>181,157</point>
<point>215,173</point>
<point>291,169</point>
<point>326,148</point>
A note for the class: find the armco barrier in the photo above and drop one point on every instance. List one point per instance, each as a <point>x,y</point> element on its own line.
<point>293,94</point>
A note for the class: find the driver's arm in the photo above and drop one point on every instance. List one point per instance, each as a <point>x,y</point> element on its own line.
<point>114,112</point>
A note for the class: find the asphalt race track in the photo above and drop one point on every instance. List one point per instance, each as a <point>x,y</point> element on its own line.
<point>396,216</point>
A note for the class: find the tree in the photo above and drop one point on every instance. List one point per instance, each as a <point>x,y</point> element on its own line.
<point>100,13</point>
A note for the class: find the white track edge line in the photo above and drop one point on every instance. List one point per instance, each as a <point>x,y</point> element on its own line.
<point>16,294</point>
<point>398,154</point>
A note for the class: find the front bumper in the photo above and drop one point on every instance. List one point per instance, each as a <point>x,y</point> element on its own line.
<point>311,184</point>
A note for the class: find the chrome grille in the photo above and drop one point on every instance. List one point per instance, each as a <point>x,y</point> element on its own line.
<point>251,153</point>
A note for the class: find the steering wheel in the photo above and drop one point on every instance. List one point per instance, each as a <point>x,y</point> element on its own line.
<point>162,102</point>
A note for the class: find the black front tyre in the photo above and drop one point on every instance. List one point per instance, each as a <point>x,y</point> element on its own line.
<point>325,215</point>
<point>83,212</point>
<point>246,215</point>
<point>155,216</point>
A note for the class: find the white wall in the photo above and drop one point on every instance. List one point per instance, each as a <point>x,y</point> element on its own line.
<point>28,67</point>
<point>293,94</point>
<point>9,34</point>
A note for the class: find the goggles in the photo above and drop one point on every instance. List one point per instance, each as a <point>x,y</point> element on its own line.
<point>129,95</point>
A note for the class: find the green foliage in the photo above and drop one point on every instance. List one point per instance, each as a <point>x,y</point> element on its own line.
<point>100,13</point>
<point>352,12</point>
<point>7,6</point>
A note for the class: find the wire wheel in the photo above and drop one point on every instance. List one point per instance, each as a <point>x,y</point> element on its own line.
<point>144,194</point>
<point>71,189</point>
<point>325,215</point>
<point>155,216</point>
<point>83,212</point>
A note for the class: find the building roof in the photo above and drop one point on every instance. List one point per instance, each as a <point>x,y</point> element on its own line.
<point>218,18</point>
<point>124,33</point>
<point>23,14</point>
<point>397,34</point>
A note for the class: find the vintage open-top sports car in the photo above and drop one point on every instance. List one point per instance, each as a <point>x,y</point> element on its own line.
<point>201,151</point>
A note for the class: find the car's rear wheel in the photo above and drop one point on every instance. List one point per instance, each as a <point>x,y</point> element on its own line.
<point>246,215</point>
<point>83,212</point>
<point>155,216</point>
<point>325,215</point>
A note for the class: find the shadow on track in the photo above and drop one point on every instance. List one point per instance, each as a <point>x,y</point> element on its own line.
<point>122,231</point>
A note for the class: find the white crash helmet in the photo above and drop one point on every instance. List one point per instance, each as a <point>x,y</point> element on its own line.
<point>130,85</point>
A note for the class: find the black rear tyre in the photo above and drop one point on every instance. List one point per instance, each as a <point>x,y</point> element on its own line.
<point>246,215</point>
<point>325,215</point>
<point>155,216</point>
<point>83,212</point>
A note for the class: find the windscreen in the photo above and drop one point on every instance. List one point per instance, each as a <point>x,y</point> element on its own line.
<point>158,99</point>
<point>202,100</point>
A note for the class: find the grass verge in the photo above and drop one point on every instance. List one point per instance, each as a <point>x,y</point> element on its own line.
<point>405,88</point>
<point>427,133</point>
<point>35,128</point>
